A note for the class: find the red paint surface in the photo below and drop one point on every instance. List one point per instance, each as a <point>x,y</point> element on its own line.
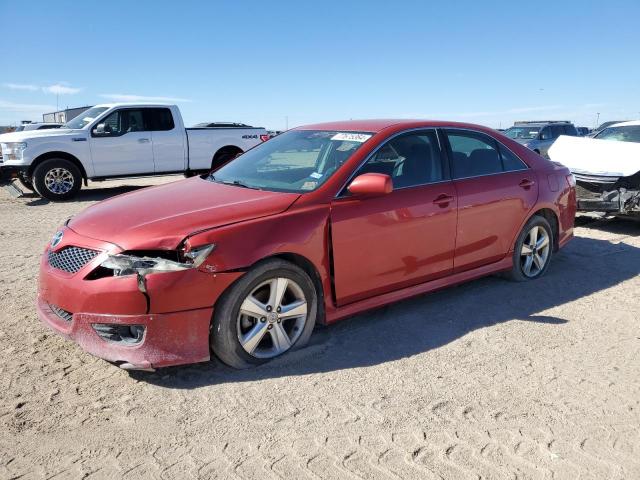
<point>380,249</point>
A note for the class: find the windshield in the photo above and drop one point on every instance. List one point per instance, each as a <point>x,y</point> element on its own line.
<point>629,133</point>
<point>19,129</point>
<point>526,133</point>
<point>85,118</point>
<point>297,161</point>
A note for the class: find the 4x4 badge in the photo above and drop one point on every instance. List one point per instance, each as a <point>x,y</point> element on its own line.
<point>57,238</point>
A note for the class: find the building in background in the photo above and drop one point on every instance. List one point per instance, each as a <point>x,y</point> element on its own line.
<point>63,116</point>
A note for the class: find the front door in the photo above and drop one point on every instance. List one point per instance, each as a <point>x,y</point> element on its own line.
<point>122,145</point>
<point>400,239</point>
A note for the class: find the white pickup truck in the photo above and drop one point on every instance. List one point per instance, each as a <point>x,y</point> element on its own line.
<point>116,141</point>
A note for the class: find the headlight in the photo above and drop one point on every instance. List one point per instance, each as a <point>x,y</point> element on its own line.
<point>13,150</point>
<point>142,265</point>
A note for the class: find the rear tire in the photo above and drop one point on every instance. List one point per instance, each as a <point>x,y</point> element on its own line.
<point>255,314</point>
<point>224,157</point>
<point>532,251</point>
<point>57,179</point>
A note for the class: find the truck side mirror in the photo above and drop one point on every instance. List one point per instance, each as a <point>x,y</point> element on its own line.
<point>101,130</point>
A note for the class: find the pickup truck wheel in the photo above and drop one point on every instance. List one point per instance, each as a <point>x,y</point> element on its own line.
<point>224,157</point>
<point>57,179</point>
<point>271,310</point>
<point>532,251</point>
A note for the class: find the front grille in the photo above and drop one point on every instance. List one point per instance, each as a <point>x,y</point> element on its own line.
<point>63,314</point>
<point>71,259</point>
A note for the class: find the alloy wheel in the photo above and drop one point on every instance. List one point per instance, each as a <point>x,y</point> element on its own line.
<point>535,251</point>
<point>59,180</point>
<point>272,317</point>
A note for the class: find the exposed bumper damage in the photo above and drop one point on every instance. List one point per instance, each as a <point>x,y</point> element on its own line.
<point>111,318</point>
<point>614,195</point>
<point>607,173</point>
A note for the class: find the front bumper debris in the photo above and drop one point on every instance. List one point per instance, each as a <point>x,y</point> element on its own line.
<point>608,194</point>
<point>110,318</point>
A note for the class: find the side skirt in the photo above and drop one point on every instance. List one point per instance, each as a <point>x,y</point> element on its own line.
<point>392,297</point>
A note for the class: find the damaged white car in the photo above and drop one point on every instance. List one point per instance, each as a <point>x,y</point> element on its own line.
<point>606,168</point>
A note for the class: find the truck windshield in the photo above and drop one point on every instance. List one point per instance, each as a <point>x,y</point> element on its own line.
<point>630,133</point>
<point>85,118</point>
<point>526,133</point>
<point>297,161</point>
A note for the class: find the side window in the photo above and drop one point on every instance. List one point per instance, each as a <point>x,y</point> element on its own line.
<point>510,161</point>
<point>570,130</point>
<point>158,119</point>
<point>557,130</point>
<point>545,134</point>
<point>124,121</point>
<point>473,154</point>
<point>411,159</point>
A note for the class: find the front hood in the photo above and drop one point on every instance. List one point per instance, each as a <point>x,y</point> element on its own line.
<point>32,134</point>
<point>596,157</point>
<point>162,216</point>
<point>522,141</point>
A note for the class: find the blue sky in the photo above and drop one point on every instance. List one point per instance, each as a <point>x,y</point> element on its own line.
<point>263,62</point>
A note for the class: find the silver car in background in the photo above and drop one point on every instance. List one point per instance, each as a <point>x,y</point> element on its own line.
<point>540,135</point>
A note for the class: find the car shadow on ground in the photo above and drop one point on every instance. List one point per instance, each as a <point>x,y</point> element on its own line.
<point>417,325</point>
<point>88,195</point>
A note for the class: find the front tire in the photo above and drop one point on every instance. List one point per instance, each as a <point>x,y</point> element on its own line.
<point>57,179</point>
<point>271,310</point>
<point>532,251</point>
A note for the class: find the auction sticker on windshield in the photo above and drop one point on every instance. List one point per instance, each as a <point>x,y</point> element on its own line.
<point>351,137</point>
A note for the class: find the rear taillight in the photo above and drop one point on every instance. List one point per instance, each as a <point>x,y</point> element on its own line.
<point>264,138</point>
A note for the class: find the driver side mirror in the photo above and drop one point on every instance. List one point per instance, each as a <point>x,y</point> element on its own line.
<point>101,130</point>
<point>371,185</point>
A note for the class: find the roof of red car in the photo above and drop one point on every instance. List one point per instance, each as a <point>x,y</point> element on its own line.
<point>376,125</point>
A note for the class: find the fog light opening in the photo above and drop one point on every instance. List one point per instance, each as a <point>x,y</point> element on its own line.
<point>124,334</point>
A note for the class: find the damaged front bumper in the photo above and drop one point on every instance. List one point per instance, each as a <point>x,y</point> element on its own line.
<point>111,318</point>
<point>608,194</point>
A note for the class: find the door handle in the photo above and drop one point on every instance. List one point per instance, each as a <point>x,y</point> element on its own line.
<point>443,200</point>
<point>526,184</point>
<point>143,140</point>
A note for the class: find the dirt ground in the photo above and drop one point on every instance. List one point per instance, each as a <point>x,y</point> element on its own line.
<point>491,379</point>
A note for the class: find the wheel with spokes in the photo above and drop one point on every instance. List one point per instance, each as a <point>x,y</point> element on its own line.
<point>57,179</point>
<point>533,250</point>
<point>271,310</point>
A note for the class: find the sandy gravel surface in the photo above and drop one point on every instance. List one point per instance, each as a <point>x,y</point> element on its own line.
<point>491,379</point>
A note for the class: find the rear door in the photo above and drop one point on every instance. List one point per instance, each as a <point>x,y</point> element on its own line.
<point>120,144</point>
<point>400,239</point>
<point>495,190</point>
<point>168,138</point>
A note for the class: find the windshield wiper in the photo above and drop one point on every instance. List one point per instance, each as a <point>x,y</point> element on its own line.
<point>235,183</point>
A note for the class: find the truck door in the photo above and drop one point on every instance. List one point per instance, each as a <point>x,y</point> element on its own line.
<point>120,145</point>
<point>168,138</point>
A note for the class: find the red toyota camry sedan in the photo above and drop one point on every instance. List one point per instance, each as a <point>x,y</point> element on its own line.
<point>317,224</point>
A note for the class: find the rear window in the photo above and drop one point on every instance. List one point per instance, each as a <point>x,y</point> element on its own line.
<point>158,119</point>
